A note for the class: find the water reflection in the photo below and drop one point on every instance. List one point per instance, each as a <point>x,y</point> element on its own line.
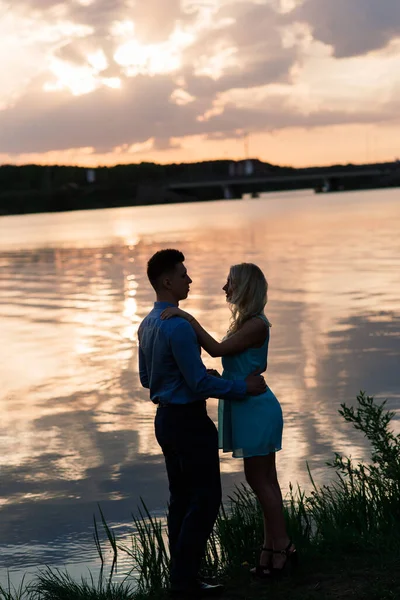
<point>76,426</point>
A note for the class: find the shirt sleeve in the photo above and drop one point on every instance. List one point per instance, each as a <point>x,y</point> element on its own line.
<point>186,353</point>
<point>143,374</point>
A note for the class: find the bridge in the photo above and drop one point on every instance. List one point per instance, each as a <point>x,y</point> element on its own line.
<point>321,179</point>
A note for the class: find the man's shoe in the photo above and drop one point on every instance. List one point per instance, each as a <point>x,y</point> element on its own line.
<point>200,590</point>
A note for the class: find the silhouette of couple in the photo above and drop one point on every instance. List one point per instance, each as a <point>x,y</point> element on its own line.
<point>249,415</point>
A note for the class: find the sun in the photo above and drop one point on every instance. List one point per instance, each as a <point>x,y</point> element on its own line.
<point>81,79</point>
<point>153,59</point>
<point>78,80</point>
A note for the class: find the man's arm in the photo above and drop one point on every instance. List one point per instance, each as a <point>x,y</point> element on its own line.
<point>186,353</point>
<point>143,374</point>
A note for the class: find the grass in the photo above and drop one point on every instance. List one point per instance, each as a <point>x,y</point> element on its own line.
<point>347,534</point>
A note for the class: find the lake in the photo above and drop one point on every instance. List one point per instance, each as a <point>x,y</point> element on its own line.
<point>76,427</point>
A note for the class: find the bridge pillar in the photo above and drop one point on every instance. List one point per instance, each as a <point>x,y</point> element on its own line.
<point>228,192</point>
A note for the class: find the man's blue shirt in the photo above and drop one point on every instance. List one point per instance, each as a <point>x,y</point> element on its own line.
<point>170,364</point>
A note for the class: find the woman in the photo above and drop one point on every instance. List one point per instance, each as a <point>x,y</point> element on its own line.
<point>251,429</point>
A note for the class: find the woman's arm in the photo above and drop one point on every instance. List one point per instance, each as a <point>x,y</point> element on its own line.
<point>253,333</point>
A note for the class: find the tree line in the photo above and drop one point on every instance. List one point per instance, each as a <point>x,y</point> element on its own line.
<point>35,188</point>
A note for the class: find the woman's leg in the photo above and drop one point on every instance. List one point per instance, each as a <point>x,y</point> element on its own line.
<point>266,555</point>
<point>260,472</point>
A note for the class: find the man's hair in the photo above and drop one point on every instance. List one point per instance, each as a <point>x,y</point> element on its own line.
<point>161,263</point>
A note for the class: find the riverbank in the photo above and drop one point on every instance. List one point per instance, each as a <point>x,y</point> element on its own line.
<point>347,535</point>
<point>40,189</point>
<point>370,575</point>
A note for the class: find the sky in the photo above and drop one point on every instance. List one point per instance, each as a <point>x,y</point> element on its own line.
<point>291,82</point>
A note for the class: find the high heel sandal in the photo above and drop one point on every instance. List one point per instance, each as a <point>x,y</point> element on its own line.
<point>290,563</point>
<point>263,571</point>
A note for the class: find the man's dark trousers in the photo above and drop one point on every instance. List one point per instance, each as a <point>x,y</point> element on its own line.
<point>189,441</point>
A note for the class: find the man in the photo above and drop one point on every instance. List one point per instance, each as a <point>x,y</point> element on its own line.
<point>171,367</point>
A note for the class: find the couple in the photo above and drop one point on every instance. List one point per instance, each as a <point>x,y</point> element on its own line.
<point>250,417</point>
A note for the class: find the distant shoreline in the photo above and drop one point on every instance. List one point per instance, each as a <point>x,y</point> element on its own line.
<point>40,189</point>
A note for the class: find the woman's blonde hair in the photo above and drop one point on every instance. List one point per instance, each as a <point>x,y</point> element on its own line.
<point>250,294</point>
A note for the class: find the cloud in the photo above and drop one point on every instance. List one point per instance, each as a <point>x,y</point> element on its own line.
<point>212,67</point>
<point>36,5</point>
<point>103,119</point>
<point>281,114</point>
<point>155,21</point>
<point>256,74</point>
<point>246,51</point>
<point>143,109</point>
<point>352,27</point>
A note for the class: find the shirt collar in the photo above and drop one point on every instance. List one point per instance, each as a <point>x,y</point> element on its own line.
<point>162,305</point>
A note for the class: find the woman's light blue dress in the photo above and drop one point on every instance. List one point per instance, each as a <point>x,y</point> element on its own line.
<point>253,426</point>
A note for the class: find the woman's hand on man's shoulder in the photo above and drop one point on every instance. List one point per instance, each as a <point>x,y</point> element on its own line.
<point>174,311</point>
